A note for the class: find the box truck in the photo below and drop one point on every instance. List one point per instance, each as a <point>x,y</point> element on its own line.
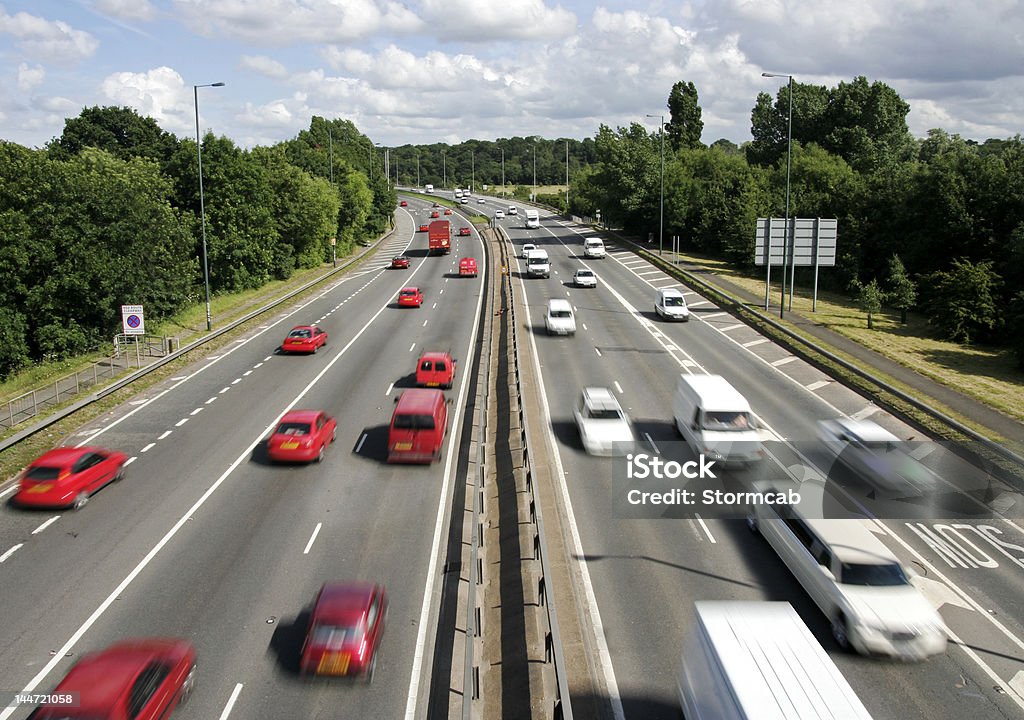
<point>716,420</point>
<point>439,237</point>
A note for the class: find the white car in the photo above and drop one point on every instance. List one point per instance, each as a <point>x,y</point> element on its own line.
<point>480,201</point>
<point>876,456</point>
<point>499,214</point>
<point>604,427</point>
<point>559,319</point>
<point>512,210</point>
<point>670,304</point>
<point>584,278</point>
<point>527,249</point>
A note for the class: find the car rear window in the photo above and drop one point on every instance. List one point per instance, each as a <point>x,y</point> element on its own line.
<point>300,334</point>
<point>42,472</point>
<point>604,414</point>
<point>872,574</point>
<point>561,314</point>
<point>414,422</point>
<point>336,635</point>
<point>292,428</point>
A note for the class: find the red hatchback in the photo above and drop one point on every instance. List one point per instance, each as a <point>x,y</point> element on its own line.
<point>403,203</point>
<point>467,266</point>
<point>345,630</point>
<point>302,436</point>
<point>66,477</point>
<point>400,262</point>
<point>463,231</point>
<point>424,228</point>
<point>435,369</point>
<point>434,214</point>
<point>304,338</point>
<point>447,211</point>
<point>142,679</point>
<point>410,297</point>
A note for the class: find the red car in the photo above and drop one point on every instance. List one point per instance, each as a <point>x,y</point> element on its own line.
<point>401,262</point>
<point>143,679</point>
<point>447,211</point>
<point>302,436</point>
<point>467,266</point>
<point>435,369</point>
<point>410,297</point>
<point>304,338</point>
<point>66,476</point>
<point>345,630</point>
<point>463,231</point>
<point>434,214</point>
<point>404,203</point>
<point>424,228</point>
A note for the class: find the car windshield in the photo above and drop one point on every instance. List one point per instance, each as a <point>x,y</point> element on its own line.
<point>672,301</point>
<point>336,635</point>
<point>584,273</point>
<point>292,428</point>
<point>414,422</point>
<point>872,574</point>
<point>604,414</point>
<point>727,421</point>
<point>42,472</point>
<point>303,333</point>
<point>561,314</point>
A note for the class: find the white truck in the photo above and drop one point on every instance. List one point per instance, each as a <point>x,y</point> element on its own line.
<point>428,188</point>
<point>758,661</point>
<point>716,420</point>
<point>538,264</point>
<point>532,218</point>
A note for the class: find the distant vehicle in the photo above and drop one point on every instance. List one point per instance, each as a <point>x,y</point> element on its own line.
<point>716,420</point>
<point>669,303</point>
<point>345,630</point>
<point>404,203</point>
<point>447,211</point>
<point>593,248</point>
<point>480,201</point>
<point>302,436</point>
<point>400,262</point>
<point>435,369</point>
<point>499,214</point>
<point>145,678</point>
<point>876,456</point>
<point>67,477</point>
<point>424,228</point>
<point>584,278</point>
<point>512,210</point>
<point>604,427</point>
<point>428,188</point>
<point>532,218</point>
<point>418,426</point>
<point>538,264</point>
<point>559,318</point>
<point>305,339</point>
<point>435,213</point>
<point>439,240</point>
<point>458,193</point>
<point>464,231</point>
<point>527,249</point>
<point>410,297</point>
<point>464,201</point>
<point>436,204</point>
<point>467,266</point>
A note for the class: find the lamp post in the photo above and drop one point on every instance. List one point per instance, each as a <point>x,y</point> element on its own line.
<point>202,202</point>
<point>788,238</point>
<point>661,213</point>
<point>444,171</point>
<point>534,198</point>
<point>472,171</point>
<point>503,172</point>
<point>330,150</point>
<point>417,170</point>
<point>567,178</point>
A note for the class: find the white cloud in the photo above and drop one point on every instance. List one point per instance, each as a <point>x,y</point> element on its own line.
<point>51,40</point>
<point>159,93</point>
<point>264,65</point>
<point>486,21</point>
<point>30,77</point>
<point>137,10</point>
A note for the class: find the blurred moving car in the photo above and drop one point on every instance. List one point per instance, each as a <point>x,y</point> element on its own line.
<point>464,201</point>
<point>424,228</point>
<point>403,203</point>
<point>467,266</point>
<point>410,297</point>
<point>400,262</point>
<point>559,318</point>
<point>302,436</point>
<point>67,477</point>
<point>304,338</point>
<point>499,213</point>
<point>435,369</point>
<point>512,210</point>
<point>604,427</point>
<point>447,211</point>
<point>345,630</point>
<point>463,231</point>
<point>480,201</point>
<point>584,278</point>
<point>141,679</point>
<point>435,214</point>
<point>418,426</point>
<point>876,456</point>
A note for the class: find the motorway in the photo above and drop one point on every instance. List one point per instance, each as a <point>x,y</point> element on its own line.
<point>204,539</point>
<point>641,577</point>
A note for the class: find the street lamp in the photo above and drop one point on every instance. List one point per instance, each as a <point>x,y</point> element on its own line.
<point>472,171</point>
<point>786,249</point>
<point>534,198</point>
<point>330,150</point>
<point>567,179</point>
<point>444,171</point>
<point>661,216</point>
<point>202,202</point>
<point>503,172</point>
<point>417,170</point>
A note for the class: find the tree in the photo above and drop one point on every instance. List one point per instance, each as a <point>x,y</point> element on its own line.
<point>961,301</point>
<point>869,299</point>
<point>1015,327</point>
<point>685,125</point>
<point>121,131</point>
<point>902,291</point>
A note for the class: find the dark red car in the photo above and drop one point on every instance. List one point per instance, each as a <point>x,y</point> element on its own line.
<point>403,203</point>
<point>463,231</point>
<point>434,214</point>
<point>345,630</point>
<point>467,266</point>
<point>143,679</point>
<point>67,476</point>
<point>410,297</point>
<point>435,369</point>
<point>424,228</point>
<point>304,338</point>
<point>401,262</point>
<point>302,436</point>
<point>447,211</point>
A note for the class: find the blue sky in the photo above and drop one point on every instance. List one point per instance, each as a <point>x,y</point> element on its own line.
<point>424,71</point>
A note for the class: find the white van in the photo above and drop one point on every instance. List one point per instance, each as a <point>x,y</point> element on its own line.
<point>532,218</point>
<point>593,248</point>
<point>716,420</point>
<point>853,578</point>
<point>537,263</point>
<point>559,319</point>
<point>758,661</point>
<point>428,188</point>
<point>512,210</point>
<point>670,304</point>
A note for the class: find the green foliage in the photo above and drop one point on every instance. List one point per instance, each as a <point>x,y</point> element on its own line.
<point>1015,327</point>
<point>869,299</point>
<point>120,131</point>
<point>685,126</point>
<point>961,301</point>
<point>14,352</point>
<point>901,292</point>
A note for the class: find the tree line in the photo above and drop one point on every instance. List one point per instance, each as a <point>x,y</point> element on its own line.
<point>109,214</point>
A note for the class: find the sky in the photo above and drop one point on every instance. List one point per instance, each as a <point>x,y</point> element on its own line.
<point>426,71</point>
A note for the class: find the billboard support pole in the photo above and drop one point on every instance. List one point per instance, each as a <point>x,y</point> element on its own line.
<point>768,263</point>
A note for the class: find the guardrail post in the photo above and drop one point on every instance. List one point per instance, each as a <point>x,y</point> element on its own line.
<point>34,409</point>
<point>10,409</point>
<point>56,392</point>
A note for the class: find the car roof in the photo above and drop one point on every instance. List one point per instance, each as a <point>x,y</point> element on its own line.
<point>418,400</point>
<point>63,455</point>
<point>411,288</point>
<point>584,270</point>
<point>467,259</point>
<point>670,292</point>
<point>559,304</point>
<point>850,540</point>
<point>343,602</point>
<point>865,430</point>
<point>435,355</point>
<point>101,678</point>
<point>301,415</point>
<point>303,327</point>
<point>600,398</point>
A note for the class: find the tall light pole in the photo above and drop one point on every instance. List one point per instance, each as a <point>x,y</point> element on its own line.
<point>534,198</point>
<point>661,214</point>
<point>417,170</point>
<point>786,249</point>
<point>330,151</point>
<point>472,171</point>
<point>444,171</point>
<point>202,202</point>
<point>503,172</point>
<point>567,177</point>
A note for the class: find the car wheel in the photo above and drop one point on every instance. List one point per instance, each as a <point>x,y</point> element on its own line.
<point>80,500</point>
<point>320,455</point>
<point>189,685</point>
<point>840,632</point>
<point>119,476</point>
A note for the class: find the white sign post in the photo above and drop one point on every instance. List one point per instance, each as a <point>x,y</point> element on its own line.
<point>132,320</point>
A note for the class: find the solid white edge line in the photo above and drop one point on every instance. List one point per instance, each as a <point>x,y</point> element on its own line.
<point>705,528</point>
<point>435,546</point>
<point>46,524</point>
<point>312,538</point>
<point>231,702</point>
<point>4,558</point>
